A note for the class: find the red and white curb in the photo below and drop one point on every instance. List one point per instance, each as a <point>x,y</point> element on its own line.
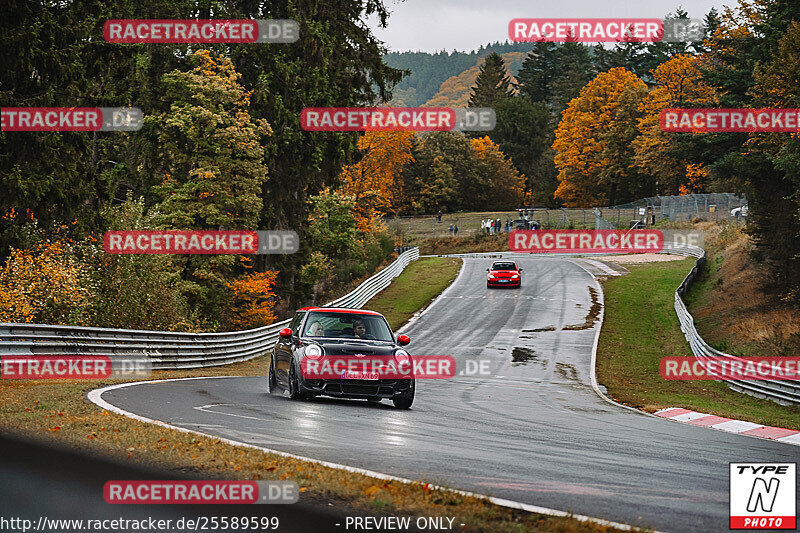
<point>788,436</point>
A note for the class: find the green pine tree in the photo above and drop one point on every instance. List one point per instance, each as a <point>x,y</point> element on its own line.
<point>492,85</point>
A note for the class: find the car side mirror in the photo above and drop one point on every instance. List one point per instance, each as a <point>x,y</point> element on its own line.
<point>402,340</point>
<point>520,270</point>
<point>285,333</point>
<point>487,270</point>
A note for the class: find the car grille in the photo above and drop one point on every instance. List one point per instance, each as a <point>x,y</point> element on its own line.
<point>358,387</point>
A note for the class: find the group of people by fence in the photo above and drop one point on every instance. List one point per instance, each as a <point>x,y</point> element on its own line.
<point>495,226</point>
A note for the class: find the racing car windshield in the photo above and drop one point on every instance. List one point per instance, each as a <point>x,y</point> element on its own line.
<point>347,326</point>
<point>504,266</point>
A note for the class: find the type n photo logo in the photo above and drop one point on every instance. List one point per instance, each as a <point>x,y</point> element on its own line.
<point>763,495</point>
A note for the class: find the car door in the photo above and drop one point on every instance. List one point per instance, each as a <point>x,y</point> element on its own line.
<point>284,348</point>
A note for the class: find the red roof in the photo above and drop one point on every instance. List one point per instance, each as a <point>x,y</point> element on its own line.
<point>340,310</point>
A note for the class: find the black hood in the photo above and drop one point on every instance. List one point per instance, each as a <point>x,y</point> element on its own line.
<point>352,347</point>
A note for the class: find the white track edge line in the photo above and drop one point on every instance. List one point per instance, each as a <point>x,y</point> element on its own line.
<point>95,396</point>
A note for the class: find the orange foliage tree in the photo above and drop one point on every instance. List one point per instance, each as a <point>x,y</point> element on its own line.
<point>657,153</point>
<point>45,284</point>
<point>253,300</point>
<point>593,141</point>
<point>508,184</point>
<point>696,175</point>
<point>371,180</point>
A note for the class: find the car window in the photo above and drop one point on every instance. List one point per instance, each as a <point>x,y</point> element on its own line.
<point>504,266</point>
<point>298,318</point>
<point>347,326</point>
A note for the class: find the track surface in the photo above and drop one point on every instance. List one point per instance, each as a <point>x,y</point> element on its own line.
<point>533,432</point>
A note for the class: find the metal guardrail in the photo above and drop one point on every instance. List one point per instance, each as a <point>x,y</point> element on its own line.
<point>783,392</point>
<point>172,350</point>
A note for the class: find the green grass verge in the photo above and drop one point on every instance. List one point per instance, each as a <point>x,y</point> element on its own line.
<point>420,282</point>
<point>640,327</point>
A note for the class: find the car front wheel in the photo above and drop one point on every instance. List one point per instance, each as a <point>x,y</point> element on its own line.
<point>272,380</point>
<point>294,384</point>
<point>405,401</point>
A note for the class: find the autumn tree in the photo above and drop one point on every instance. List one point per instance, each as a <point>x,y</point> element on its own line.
<point>663,156</point>
<point>507,184</point>
<point>593,142</point>
<point>371,181</point>
<point>212,165</point>
<point>253,300</point>
<point>45,285</point>
<point>426,183</point>
<point>211,150</point>
<point>445,163</point>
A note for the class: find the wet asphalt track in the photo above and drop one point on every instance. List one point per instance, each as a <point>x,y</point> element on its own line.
<point>533,432</point>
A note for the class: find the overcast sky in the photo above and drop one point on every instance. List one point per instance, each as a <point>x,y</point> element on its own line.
<point>433,25</point>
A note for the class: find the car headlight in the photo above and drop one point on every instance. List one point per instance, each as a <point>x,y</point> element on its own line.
<point>515,276</point>
<point>401,355</point>
<point>313,351</point>
<point>492,276</point>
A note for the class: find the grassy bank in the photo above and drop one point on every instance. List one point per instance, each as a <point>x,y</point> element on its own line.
<point>640,327</point>
<point>412,290</point>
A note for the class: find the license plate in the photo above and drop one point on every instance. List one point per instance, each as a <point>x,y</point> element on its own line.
<point>370,376</point>
<point>503,280</point>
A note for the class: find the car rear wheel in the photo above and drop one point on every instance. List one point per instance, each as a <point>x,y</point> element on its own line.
<point>404,402</point>
<point>272,380</point>
<point>294,385</point>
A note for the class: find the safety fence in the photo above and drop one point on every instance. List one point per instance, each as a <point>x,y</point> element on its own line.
<point>785,392</point>
<point>173,350</point>
<point>646,211</point>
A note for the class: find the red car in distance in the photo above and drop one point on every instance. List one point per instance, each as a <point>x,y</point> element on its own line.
<point>504,274</point>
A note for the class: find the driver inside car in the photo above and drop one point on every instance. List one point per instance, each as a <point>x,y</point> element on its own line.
<point>316,329</point>
<point>360,329</point>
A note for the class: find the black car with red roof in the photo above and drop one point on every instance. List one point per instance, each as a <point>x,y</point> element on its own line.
<point>322,334</point>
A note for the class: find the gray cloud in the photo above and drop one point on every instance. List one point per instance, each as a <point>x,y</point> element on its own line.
<point>433,25</point>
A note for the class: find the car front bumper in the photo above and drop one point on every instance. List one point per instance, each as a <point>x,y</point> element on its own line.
<point>356,388</point>
<point>498,283</point>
